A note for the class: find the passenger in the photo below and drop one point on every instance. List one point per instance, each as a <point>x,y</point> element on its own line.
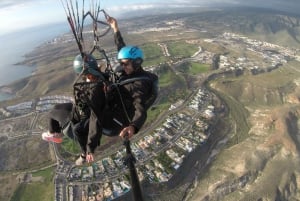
<point>85,114</point>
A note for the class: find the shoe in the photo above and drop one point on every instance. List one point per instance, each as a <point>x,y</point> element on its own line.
<point>52,137</point>
<point>80,161</point>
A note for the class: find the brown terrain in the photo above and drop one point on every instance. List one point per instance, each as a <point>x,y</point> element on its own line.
<point>253,154</point>
<point>265,164</point>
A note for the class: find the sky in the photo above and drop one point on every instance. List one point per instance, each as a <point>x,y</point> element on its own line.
<point>19,14</point>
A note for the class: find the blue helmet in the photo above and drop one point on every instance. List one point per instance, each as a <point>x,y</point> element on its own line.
<point>131,52</point>
<point>88,66</point>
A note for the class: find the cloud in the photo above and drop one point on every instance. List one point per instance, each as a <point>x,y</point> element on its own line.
<point>131,7</point>
<point>283,5</point>
<point>17,14</point>
<point>13,3</point>
<point>8,3</point>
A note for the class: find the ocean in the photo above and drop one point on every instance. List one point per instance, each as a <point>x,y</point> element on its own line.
<point>15,45</point>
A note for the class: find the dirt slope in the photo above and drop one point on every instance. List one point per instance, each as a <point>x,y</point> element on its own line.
<point>264,166</point>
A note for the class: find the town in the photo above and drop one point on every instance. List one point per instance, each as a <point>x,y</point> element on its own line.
<point>108,174</point>
<point>159,152</point>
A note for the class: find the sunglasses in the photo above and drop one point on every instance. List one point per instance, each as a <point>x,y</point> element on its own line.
<point>122,63</point>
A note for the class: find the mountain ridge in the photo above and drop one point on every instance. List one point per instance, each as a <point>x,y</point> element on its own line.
<point>270,27</point>
<point>257,163</point>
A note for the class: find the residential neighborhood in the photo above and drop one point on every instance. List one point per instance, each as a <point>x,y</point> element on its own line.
<point>161,151</point>
<point>108,174</point>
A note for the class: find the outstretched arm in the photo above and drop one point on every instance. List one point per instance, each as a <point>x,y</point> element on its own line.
<point>117,34</point>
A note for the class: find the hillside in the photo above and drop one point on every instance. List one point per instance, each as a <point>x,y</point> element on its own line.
<point>54,61</point>
<point>264,25</point>
<point>255,152</point>
<point>264,164</point>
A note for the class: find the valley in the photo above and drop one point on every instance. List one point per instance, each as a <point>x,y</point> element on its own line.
<point>252,152</point>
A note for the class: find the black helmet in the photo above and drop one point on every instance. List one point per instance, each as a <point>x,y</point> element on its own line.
<point>88,65</point>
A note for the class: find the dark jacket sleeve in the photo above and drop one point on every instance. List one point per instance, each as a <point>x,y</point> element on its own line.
<point>140,94</point>
<point>119,40</point>
<point>96,104</point>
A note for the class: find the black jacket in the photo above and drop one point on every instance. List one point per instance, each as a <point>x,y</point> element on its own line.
<point>89,104</point>
<point>137,95</point>
<point>128,103</point>
<point>131,99</point>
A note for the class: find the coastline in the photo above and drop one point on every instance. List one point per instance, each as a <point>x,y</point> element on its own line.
<point>6,93</point>
<point>5,96</point>
<point>14,66</point>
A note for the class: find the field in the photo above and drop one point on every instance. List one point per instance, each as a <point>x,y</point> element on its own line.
<point>41,189</point>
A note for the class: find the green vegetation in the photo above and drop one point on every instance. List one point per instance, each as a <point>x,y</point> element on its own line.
<point>156,110</point>
<point>166,162</point>
<point>70,145</point>
<point>197,68</point>
<point>40,190</point>
<point>169,81</point>
<point>193,68</point>
<point>166,79</point>
<point>178,94</point>
<point>238,116</point>
<point>47,174</point>
<point>181,49</point>
<point>153,54</point>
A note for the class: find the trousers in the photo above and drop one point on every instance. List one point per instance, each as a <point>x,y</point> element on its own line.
<point>59,116</point>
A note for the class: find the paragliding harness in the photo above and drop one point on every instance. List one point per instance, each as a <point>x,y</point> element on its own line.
<point>116,86</point>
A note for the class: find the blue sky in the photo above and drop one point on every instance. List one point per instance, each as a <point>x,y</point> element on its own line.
<point>19,14</point>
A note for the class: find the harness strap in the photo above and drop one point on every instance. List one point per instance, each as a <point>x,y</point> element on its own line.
<point>126,82</point>
<point>131,80</point>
